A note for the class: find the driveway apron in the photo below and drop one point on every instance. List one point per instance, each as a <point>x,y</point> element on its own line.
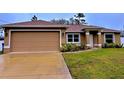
<point>49,65</point>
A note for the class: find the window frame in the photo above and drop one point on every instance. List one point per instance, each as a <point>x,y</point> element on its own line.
<point>73,37</point>
<point>113,37</point>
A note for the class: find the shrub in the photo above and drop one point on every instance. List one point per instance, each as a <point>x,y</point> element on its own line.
<point>64,48</point>
<point>119,46</point>
<point>70,47</point>
<point>104,45</point>
<point>82,46</point>
<point>112,45</point>
<point>75,47</point>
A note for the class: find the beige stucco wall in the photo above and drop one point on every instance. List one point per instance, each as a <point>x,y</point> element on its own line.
<point>6,38</point>
<point>95,39</point>
<point>63,38</point>
<point>83,38</point>
<point>63,34</point>
<point>6,50</point>
<point>102,38</point>
<point>117,38</point>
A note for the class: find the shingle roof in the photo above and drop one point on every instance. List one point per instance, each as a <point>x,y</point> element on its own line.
<point>70,28</point>
<point>74,28</point>
<point>37,23</point>
<point>111,30</point>
<point>80,28</point>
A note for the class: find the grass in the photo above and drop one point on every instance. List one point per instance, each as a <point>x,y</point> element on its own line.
<point>97,64</point>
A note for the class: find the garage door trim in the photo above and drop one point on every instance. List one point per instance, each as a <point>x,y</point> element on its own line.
<point>33,30</point>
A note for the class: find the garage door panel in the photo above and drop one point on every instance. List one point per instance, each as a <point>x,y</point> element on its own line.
<point>37,40</point>
<point>34,41</point>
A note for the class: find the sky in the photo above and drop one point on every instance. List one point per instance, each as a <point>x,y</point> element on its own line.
<point>108,20</point>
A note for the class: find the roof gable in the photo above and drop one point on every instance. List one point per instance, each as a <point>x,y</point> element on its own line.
<point>81,28</point>
<point>70,28</point>
<point>37,22</point>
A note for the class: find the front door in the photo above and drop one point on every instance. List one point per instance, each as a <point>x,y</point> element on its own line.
<point>91,40</point>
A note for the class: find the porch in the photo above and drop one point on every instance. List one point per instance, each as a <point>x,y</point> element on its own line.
<point>92,38</point>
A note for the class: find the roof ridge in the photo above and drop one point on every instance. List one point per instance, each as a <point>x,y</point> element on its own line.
<point>16,23</point>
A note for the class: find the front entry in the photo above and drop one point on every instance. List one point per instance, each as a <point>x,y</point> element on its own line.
<point>91,40</point>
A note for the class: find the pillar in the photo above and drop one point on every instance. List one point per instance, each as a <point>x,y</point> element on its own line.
<point>87,39</point>
<point>99,39</point>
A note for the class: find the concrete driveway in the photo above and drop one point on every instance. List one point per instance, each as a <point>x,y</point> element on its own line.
<point>33,66</point>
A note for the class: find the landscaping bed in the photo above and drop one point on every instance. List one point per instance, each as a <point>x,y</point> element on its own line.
<point>105,63</point>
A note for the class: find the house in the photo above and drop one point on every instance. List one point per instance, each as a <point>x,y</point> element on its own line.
<point>1,39</point>
<point>40,35</point>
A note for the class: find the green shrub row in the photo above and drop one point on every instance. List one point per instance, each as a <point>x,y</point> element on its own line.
<point>71,47</point>
<point>112,45</point>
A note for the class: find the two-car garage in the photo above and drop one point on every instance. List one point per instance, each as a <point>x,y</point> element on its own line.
<point>33,36</point>
<point>33,41</point>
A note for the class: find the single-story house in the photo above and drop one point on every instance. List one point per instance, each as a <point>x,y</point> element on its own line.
<point>40,35</point>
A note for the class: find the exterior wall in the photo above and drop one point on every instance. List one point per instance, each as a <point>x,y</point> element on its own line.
<point>63,34</point>
<point>6,38</point>
<point>63,38</point>
<point>6,50</point>
<point>83,38</point>
<point>95,39</point>
<point>102,35</point>
<point>117,38</point>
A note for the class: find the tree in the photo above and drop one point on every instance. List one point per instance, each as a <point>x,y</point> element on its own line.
<point>79,18</point>
<point>72,21</point>
<point>34,18</point>
<point>60,21</point>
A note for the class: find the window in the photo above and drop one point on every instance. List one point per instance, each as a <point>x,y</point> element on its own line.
<point>76,38</point>
<point>70,39</point>
<point>73,38</point>
<point>109,38</point>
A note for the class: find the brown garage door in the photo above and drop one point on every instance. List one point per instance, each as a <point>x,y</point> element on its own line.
<point>34,41</point>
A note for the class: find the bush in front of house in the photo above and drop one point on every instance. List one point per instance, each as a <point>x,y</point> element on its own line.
<point>112,45</point>
<point>66,47</point>
<point>70,47</point>
<point>119,45</point>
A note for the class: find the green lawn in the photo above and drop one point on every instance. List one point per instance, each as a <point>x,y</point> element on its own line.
<point>97,64</point>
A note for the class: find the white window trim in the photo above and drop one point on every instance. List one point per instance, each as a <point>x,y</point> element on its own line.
<point>72,37</point>
<point>109,34</point>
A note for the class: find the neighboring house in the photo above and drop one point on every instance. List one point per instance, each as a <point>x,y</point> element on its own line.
<point>1,39</point>
<point>122,40</point>
<point>39,35</point>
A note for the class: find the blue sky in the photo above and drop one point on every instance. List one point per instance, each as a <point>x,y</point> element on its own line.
<point>109,20</point>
